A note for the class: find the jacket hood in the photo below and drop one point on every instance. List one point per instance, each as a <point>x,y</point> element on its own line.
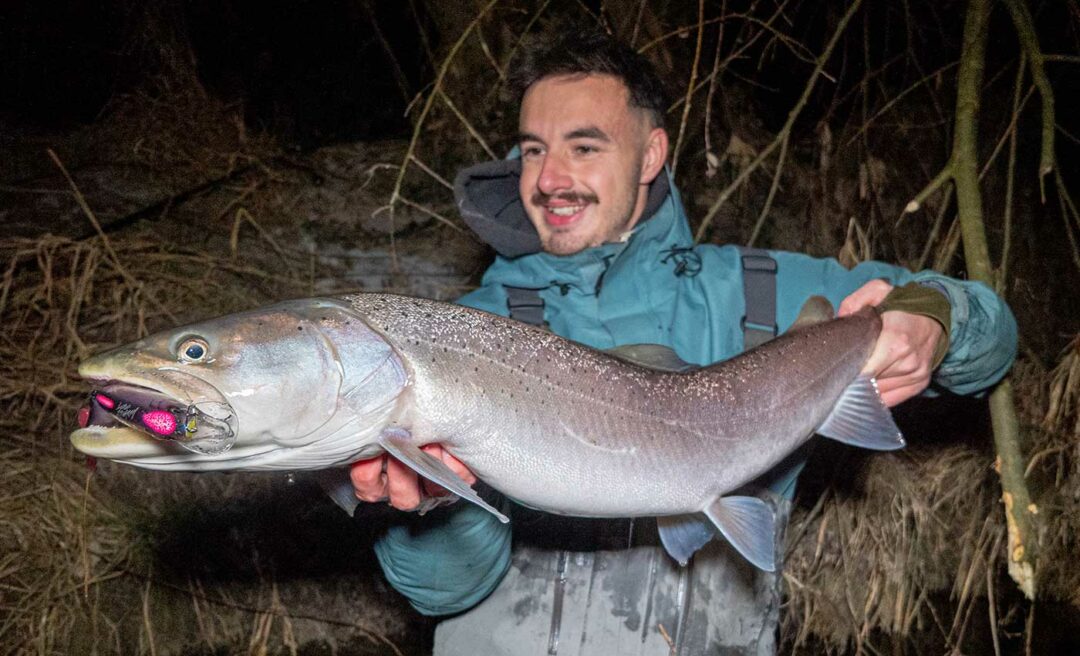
<point>488,200</point>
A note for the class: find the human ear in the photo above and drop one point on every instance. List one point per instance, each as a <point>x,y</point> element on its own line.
<point>656,149</point>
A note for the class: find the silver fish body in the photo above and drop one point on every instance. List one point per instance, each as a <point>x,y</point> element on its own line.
<point>565,428</point>
<point>558,426</point>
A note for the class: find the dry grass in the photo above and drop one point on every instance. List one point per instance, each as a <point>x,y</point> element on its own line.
<point>77,571</point>
<point>895,545</point>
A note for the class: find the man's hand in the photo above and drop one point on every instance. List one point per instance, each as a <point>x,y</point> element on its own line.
<point>904,353</point>
<point>384,477</point>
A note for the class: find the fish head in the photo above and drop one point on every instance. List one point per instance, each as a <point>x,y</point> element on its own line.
<point>243,391</point>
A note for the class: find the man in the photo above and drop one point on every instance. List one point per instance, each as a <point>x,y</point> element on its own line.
<point>592,241</point>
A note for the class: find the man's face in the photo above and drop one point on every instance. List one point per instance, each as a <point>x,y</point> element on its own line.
<point>587,158</point>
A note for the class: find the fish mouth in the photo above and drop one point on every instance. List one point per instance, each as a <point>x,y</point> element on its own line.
<point>126,420</point>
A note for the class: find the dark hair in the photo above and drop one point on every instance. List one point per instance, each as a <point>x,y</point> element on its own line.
<point>585,52</point>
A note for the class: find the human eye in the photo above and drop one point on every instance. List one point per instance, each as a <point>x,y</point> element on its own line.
<point>585,149</point>
<point>531,151</point>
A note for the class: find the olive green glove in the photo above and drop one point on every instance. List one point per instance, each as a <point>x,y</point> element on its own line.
<point>914,298</point>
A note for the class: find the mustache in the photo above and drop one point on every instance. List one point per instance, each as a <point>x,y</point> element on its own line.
<point>540,198</point>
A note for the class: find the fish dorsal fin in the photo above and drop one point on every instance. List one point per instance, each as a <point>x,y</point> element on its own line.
<point>651,356</point>
<point>816,309</point>
<point>683,535</point>
<point>399,444</point>
<point>749,524</point>
<point>860,418</point>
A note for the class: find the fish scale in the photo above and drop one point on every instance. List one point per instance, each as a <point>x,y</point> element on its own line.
<point>598,424</point>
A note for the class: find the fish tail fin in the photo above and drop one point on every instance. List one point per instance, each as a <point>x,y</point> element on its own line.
<point>860,418</point>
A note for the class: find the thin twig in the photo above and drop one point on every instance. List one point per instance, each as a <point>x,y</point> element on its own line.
<point>1010,175</point>
<point>395,68</point>
<point>939,220</point>
<point>1029,44</point>
<point>432,213</point>
<point>713,83</point>
<point>689,88</point>
<point>395,195</point>
<point>792,116</point>
<point>772,192</point>
<point>468,126</point>
<point>943,176</point>
<point>435,176</point>
<point>81,200</point>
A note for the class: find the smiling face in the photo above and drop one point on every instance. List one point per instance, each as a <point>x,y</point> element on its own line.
<point>587,158</point>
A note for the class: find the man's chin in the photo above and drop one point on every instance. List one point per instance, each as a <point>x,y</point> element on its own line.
<point>564,243</point>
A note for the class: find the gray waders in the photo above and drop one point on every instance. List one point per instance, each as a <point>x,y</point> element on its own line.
<point>582,587</point>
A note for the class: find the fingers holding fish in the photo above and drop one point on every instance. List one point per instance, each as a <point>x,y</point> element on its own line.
<point>903,355</point>
<point>402,485</point>
<point>387,478</point>
<point>870,294</point>
<point>455,465</point>
<point>369,478</point>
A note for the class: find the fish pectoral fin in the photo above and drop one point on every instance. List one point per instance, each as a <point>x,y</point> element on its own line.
<point>398,443</point>
<point>749,524</point>
<point>815,310</point>
<point>338,486</point>
<point>683,535</point>
<point>860,418</point>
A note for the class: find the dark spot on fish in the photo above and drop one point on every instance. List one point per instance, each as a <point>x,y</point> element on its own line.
<point>299,327</point>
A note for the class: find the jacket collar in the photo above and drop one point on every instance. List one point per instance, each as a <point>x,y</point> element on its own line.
<point>487,196</point>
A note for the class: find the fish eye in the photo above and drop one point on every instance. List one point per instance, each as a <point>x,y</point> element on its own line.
<point>193,349</point>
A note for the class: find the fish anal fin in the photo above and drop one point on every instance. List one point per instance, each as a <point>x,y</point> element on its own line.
<point>683,535</point>
<point>399,444</point>
<point>749,524</point>
<point>860,418</point>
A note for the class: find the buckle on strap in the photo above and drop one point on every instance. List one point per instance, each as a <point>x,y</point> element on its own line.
<point>762,263</point>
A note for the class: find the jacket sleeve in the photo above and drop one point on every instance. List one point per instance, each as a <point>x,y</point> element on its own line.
<point>982,336</point>
<point>449,560</point>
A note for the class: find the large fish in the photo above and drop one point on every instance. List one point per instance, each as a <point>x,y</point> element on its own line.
<point>319,383</point>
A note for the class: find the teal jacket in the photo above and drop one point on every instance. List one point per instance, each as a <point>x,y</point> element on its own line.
<point>654,287</point>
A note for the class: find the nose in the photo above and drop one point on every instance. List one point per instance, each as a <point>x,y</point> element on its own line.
<point>554,176</point>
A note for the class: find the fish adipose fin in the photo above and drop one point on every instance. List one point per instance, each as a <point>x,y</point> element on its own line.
<point>749,524</point>
<point>683,535</point>
<point>398,444</point>
<point>860,418</point>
